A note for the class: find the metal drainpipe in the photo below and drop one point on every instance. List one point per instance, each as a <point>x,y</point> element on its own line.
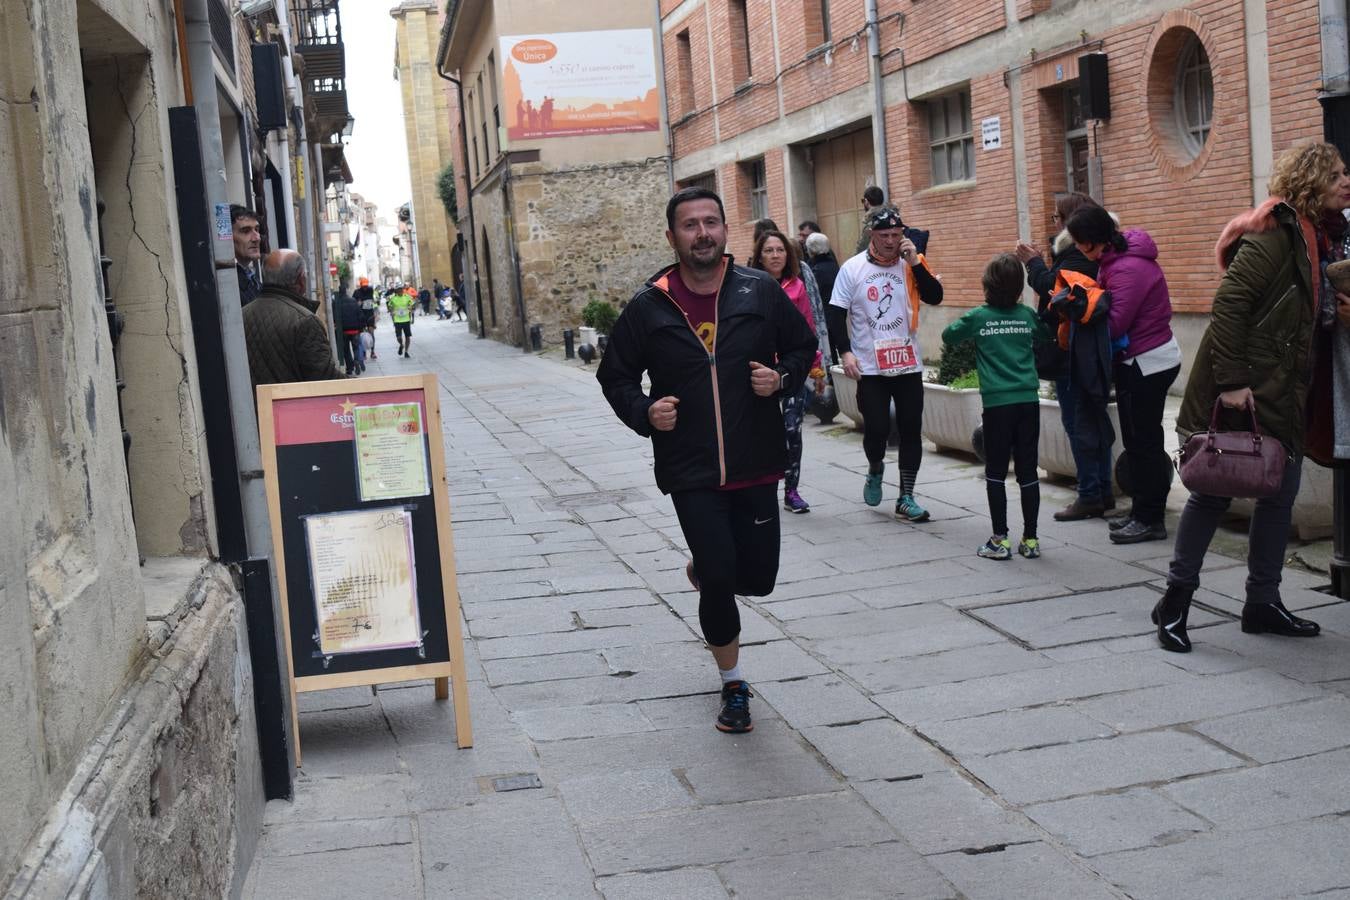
<point>471,273</point>
<point>248,455</point>
<point>878,98</point>
<point>515,257</point>
<point>665,101</point>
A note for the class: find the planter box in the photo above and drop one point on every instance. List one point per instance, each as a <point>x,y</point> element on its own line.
<point>950,415</point>
<point>1054,453</point>
<point>846,393</point>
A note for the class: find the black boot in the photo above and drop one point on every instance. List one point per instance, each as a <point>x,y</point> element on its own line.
<point>1273,618</point>
<point>1170,616</point>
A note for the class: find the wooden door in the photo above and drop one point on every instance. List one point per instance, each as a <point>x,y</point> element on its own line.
<point>843,168</point>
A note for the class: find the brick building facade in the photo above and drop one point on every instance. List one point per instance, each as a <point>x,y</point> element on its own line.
<point>1203,96</point>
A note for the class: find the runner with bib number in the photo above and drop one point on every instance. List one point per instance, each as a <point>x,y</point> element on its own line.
<point>874,322</point>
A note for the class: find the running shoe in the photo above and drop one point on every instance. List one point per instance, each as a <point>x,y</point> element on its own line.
<point>906,508</point>
<point>996,548</point>
<point>735,715</point>
<point>793,502</point>
<point>1030,548</point>
<point>872,487</point>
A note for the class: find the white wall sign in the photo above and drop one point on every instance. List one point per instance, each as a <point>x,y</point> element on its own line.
<point>992,132</point>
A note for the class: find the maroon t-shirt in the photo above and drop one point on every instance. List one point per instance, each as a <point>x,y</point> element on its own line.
<point>701,311</point>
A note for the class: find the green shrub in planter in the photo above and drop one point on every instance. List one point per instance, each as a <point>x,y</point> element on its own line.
<point>600,315</point>
<point>957,360</point>
<point>970,379</point>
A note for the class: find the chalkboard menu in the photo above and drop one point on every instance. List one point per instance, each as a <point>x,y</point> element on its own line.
<point>355,476</point>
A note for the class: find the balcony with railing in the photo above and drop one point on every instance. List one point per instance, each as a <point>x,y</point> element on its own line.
<point>317,29</point>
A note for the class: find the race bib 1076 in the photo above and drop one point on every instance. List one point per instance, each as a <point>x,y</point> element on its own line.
<point>895,355</point>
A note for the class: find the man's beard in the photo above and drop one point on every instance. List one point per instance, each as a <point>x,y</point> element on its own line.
<point>693,262</point>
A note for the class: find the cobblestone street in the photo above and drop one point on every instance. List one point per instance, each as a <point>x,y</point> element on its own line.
<point>928,723</point>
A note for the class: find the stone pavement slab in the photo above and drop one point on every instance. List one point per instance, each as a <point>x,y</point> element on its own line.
<point>1021,870</point>
<point>927,723</point>
<point>1303,860</point>
<point>688,884</point>
<point>939,812</point>
<point>733,832</point>
<point>384,871</point>
<point>504,847</point>
<point>1047,773</point>
<point>881,870</point>
<point>1109,823</point>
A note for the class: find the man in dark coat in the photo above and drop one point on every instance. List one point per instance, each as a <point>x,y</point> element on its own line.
<point>286,341</point>
<point>247,251</point>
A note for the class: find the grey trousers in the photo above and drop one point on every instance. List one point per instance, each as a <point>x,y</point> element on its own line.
<point>1267,537</point>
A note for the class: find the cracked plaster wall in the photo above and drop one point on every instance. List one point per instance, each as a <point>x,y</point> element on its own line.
<point>72,612</point>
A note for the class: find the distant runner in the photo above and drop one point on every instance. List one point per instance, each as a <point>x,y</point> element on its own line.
<point>400,305</point>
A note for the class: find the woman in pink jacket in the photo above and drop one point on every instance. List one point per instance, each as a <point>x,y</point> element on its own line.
<point>777,255</point>
<point>1147,360</point>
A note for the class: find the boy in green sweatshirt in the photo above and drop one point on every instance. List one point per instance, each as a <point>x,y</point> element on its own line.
<point>1004,332</point>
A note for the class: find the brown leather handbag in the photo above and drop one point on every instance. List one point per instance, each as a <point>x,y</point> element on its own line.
<point>1232,463</point>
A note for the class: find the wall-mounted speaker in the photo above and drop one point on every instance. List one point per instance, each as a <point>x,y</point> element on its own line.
<point>1093,87</point>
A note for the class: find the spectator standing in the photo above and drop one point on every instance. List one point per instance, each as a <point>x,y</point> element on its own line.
<point>1256,359</point>
<point>352,321</point>
<point>1094,473</point>
<point>247,251</point>
<point>285,339</point>
<point>1140,322</point>
<point>1005,332</point>
<point>823,263</point>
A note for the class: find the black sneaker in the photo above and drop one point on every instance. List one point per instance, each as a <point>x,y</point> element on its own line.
<point>735,715</point>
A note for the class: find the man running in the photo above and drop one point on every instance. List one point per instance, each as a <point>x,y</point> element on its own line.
<point>876,296</point>
<point>400,305</point>
<point>722,345</point>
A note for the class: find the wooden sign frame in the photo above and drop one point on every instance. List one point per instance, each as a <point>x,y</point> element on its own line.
<point>448,675</point>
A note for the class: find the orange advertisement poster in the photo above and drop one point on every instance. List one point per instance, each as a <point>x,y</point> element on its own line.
<point>579,83</point>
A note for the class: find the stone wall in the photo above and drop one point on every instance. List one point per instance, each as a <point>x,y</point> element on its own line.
<point>496,271</point>
<point>585,234</point>
<point>155,808</point>
<point>92,694</point>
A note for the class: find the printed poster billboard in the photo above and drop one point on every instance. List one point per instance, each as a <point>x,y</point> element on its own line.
<point>579,83</point>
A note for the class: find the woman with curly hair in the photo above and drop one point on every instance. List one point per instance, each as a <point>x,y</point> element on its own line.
<point>777,255</point>
<point>1257,354</point>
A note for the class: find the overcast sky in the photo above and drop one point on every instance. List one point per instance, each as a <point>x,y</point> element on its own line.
<point>378,149</point>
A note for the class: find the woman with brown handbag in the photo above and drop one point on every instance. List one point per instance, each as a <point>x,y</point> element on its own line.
<point>1257,353</point>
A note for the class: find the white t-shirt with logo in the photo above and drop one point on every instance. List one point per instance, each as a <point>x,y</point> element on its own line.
<point>877,300</point>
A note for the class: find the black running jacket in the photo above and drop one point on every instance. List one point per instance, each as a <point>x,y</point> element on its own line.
<point>723,431</point>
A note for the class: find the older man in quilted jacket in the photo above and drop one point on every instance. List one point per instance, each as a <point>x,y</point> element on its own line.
<point>286,340</point>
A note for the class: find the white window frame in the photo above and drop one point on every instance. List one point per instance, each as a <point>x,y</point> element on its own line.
<point>941,140</point>
<point>758,174</point>
<point>1194,69</point>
